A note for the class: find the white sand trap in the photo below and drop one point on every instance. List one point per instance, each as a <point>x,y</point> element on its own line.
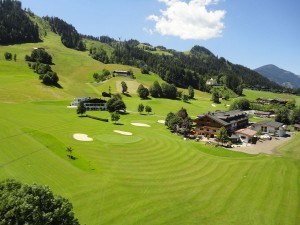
<point>161,121</point>
<point>71,106</point>
<point>213,105</point>
<point>82,137</point>
<point>140,124</point>
<point>123,132</point>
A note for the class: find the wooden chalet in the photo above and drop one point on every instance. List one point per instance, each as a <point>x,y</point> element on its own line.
<point>296,127</point>
<point>209,124</point>
<point>121,73</point>
<point>271,101</point>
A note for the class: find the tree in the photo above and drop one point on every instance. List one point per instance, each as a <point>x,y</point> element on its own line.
<point>169,90</point>
<point>148,109</point>
<point>241,104</point>
<point>33,204</point>
<point>215,97</point>
<point>182,113</point>
<point>191,92</point>
<point>222,136</point>
<point>143,92</point>
<point>70,151</point>
<point>141,108</point>
<point>50,78</point>
<point>124,87</point>
<point>295,118</point>
<point>115,116</point>
<point>15,57</point>
<point>185,98</point>
<point>170,115</point>
<point>282,115</point>
<point>81,109</point>
<point>40,55</point>
<point>291,104</point>
<point>155,90</point>
<point>174,123</point>
<point>145,70</point>
<point>115,104</point>
<point>8,56</point>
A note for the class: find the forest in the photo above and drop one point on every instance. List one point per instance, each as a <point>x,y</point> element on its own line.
<point>15,25</point>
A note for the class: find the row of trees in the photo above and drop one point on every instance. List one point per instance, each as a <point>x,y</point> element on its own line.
<point>141,108</point>
<point>40,61</point>
<point>104,75</point>
<point>9,56</point>
<point>15,25</point>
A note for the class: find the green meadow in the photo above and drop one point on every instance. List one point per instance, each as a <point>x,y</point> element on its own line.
<point>151,177</point>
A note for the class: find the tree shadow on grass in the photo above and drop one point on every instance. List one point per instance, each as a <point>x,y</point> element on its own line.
<point>127,94</point>
<point>123,112</point>
<point>119,124</point>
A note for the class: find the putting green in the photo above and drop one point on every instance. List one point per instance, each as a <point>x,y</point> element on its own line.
<point>117,138</point>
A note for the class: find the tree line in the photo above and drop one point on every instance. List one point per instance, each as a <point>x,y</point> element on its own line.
<point>69,35</point>
<point>184,69</point>
<point>15,25</point>
<point>40,62</point>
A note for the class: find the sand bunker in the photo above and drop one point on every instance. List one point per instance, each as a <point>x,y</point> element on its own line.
<point>71,106</point>
<point>213,105</point>
<point>140,124</point>
<point>82,137</point>
<point>161,121</point>
<point>123,132</point>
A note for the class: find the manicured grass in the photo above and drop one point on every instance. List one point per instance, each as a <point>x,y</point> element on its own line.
<point>151,177</point>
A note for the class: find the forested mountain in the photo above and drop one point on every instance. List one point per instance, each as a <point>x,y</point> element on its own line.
<point>15,25</point>
<point>69,35</point>
<point>184,69</point>
<point>280,76</point>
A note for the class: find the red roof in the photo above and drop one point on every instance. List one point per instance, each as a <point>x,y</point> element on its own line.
<point>246,132</point>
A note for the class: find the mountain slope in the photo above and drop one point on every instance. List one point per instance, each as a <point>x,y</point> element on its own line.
<point>280,76</point>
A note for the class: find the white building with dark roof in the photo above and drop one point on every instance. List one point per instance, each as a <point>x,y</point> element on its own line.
<point>270,127</point>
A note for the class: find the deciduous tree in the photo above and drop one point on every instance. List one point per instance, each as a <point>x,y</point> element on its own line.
<point>33,204</point>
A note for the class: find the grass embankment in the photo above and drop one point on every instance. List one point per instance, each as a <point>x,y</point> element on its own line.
<point>151,177</point>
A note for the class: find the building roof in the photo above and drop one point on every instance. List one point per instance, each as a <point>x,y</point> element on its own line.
<point>268,123</point>
<point>297,125</point>
<point>246,132</point>
<point>262,113</point>
<point>225,118</point>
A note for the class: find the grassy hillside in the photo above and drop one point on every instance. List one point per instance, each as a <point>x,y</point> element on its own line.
<point>151,177</point>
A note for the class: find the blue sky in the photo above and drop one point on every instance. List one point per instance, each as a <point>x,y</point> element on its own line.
<point>247,32</point>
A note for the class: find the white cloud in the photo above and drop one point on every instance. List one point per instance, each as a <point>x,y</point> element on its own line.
<point>189,20</point>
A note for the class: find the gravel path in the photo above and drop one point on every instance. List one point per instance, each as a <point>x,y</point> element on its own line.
<point>263,146</point>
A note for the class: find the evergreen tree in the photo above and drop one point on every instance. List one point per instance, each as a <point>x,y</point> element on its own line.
<point>141,108</point>
<point>215,97</point>
<point>124,87</point>
<point>191,92</point>
<point>81,109</point>
<point>115,116</point>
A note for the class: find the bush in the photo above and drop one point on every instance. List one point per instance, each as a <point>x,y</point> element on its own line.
<point>8,56</point>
